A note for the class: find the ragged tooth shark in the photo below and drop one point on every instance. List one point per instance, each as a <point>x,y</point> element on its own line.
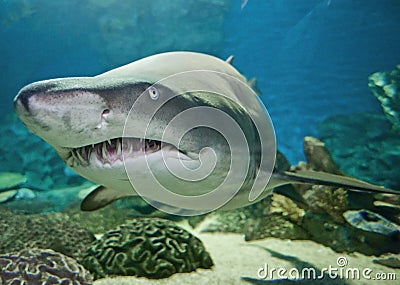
<point>85,120</point>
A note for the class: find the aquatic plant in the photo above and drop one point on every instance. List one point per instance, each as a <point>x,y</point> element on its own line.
<point>41,266</point>
<point>149,247</point>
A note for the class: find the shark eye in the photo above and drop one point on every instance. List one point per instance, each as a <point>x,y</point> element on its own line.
<point>153,92</point>
<point>105,113</point>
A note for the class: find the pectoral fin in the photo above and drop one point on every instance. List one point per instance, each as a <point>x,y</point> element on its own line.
<point>101,197</point>
<point>323,178</point>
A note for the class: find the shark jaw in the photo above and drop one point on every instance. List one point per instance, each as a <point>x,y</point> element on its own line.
<point>118,150</point>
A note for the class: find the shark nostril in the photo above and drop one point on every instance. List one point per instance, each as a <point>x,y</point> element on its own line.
<point>104,116</point>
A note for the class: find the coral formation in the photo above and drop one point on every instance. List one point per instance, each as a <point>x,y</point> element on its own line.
<point>323,199</point>
<point>278,217</point>
<point>54,231</point>
<point>386,88</point>
<point>286,208</point>
<point>149,247</point>
<point>273,225</point>
<point>41,266</point>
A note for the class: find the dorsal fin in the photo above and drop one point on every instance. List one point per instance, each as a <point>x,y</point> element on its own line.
<point>230,59</point>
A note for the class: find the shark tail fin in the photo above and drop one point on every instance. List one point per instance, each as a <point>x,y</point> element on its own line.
<point>328,179</point>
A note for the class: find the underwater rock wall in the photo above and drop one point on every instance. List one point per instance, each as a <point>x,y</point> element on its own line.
<point>34,158</point>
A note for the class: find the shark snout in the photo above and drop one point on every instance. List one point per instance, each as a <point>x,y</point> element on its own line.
<point>22,102</point>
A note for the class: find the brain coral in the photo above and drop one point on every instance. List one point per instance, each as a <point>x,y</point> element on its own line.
<point>149,247</point>
<point>55,231</point>
<point>41,266</point>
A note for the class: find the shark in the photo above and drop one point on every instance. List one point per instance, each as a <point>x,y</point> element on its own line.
<point>149,121</point>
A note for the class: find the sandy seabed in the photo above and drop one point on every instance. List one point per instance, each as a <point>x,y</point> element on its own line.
<point>237,261</point>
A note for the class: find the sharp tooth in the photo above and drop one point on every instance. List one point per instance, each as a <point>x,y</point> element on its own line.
<point>70,161</point>
<point>104,151</point>
<point>119,148</point>
<point>79,156</point>
<point>130,148</point>
<point>84,152</point>
<point>92,145</point>
<point>73,152</point>
<point>88,153</point>
<point>109,141</point>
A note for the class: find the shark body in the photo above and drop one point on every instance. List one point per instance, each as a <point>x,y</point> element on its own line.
<point>85,120</point>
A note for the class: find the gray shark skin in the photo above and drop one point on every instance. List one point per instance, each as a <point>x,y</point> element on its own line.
<point>85,120</point>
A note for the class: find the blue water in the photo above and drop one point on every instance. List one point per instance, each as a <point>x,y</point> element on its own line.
<point>311,58</point>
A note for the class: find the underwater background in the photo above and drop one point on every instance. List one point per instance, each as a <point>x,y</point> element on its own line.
<point>325,68</point>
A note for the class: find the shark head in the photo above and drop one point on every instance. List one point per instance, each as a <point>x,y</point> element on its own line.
<point>159,114</point>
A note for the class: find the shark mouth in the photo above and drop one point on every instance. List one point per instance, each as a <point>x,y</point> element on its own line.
<point>113,150</point>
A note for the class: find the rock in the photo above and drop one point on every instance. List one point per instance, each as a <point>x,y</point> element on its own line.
<point>149,247</point>
<point>371,222</point>
<point>10,180</point>
<point>343,237</point>
<point>25,194</point>
<point>319,157</point>
<point>7,195</point>
<point>41,266</point>
<point>389,260</point>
